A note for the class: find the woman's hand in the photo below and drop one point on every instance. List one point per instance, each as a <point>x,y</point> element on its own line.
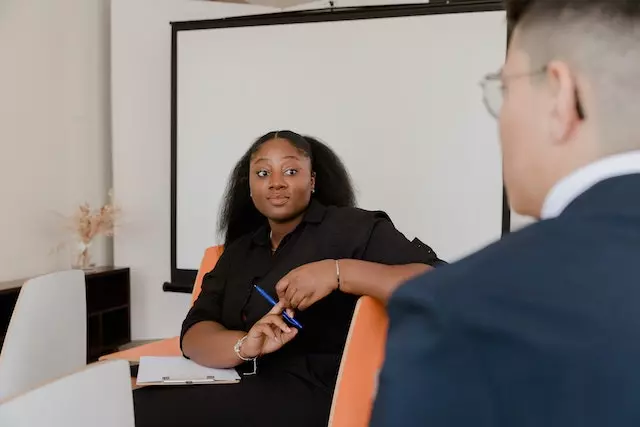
<point>307,284</point>
<point>269,334</point>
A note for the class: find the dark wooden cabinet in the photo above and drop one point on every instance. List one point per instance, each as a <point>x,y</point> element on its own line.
<point>108,309</point>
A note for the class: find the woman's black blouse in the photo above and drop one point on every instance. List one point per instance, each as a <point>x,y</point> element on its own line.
<point>228,296</point>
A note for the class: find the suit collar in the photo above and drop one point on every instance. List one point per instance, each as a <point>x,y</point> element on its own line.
<point>616,196</point>
<point>580,181</point>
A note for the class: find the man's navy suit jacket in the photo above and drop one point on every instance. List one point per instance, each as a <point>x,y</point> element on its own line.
<point>539,329</point>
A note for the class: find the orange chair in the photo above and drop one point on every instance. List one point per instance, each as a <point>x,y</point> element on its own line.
<point>362,360</point>
<point>170,346</point>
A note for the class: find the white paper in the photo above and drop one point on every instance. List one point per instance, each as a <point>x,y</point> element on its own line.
<point>180,370</point>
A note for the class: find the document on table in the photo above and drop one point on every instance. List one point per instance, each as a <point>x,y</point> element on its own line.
<point>178,370</point>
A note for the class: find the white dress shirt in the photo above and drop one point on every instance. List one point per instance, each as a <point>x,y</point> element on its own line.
<point>569,188</point>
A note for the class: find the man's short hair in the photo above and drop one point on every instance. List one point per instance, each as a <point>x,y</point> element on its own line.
<point>522,10</point>
<point>600,40</point>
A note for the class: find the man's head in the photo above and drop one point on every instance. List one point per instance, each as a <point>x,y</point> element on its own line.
<point>571,88</point>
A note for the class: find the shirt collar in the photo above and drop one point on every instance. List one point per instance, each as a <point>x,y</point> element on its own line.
<point>315,212</point>
<point>569,188</point>
<point>314,215</point>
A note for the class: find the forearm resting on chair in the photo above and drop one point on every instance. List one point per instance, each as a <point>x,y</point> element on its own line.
<point>211,344</point>
<point>376,280</point>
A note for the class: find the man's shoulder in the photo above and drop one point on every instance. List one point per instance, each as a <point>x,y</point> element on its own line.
<point>516,258</point>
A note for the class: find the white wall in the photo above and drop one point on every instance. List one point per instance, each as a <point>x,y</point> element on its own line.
<point>141,58</point>
<point>54,127</point>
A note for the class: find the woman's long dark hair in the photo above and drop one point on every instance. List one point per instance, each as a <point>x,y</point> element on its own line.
<point>239,216</point>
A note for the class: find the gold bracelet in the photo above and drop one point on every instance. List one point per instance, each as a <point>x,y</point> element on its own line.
<point>338,273</point>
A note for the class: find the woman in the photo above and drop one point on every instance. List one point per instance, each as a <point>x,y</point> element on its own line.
<point>291,228</point>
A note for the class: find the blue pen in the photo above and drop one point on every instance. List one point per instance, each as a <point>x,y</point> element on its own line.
<point>266,296</point>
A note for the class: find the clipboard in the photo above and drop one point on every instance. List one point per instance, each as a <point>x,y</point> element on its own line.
<point>181,371</point>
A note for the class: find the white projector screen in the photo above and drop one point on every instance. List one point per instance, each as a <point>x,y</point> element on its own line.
<point>397,98</point>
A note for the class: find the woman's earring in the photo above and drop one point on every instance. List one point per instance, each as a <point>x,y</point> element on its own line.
<point>313,190</point>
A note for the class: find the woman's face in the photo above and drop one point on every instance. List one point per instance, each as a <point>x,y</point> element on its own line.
<point>281,180</point>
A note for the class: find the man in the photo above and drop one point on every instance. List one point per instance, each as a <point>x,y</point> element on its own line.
<point>543,327</point>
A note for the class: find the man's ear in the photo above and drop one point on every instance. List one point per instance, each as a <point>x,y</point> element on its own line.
<point>313,182</point>
<point>563,93</point>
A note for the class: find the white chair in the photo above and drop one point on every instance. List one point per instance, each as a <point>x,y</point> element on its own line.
<point>97,396</point>
<point>47,334</point>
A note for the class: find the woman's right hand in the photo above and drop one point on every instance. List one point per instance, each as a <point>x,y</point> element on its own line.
<point>269,334</point>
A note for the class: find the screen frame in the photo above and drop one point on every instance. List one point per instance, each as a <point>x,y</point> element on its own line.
<point>182,280</point>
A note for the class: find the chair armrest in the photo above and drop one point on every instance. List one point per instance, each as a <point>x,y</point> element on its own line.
<point>166,347</point>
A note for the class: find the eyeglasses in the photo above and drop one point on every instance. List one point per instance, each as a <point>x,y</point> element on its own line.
<point>493,87</point>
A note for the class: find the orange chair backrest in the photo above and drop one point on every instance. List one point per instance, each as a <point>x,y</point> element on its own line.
<point>209,261</point>
<point>361,361</point>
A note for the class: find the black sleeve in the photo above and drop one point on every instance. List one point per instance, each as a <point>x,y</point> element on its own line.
<point>208,305</point>
<point>386,245</point>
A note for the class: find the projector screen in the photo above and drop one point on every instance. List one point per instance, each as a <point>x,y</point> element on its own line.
<point>397,98</point>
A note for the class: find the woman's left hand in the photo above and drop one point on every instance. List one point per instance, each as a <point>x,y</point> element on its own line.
<point>307,284</point>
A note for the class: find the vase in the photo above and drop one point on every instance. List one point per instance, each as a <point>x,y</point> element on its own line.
<point>83,258</point>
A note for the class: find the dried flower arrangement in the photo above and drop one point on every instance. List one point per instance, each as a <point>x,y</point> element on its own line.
<point>89,223</point>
